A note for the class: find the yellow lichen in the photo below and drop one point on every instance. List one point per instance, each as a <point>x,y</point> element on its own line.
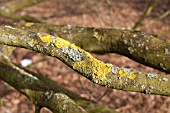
<point>93,67</point>
<point>97,36</point>
<point>122,73</point>
<point>46,38</point>
<point>29,24</point>
<point>89,66</point>
<point>131,76</point>
<point>61,43</point>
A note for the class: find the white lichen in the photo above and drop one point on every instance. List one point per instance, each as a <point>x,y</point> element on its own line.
<point>150,75</point>
<point>163,79</point>
<point>12,37</point>
<point>7,26</point>
<point>73,54</point>
<point>125,41</point>
<point>30,44</point>
<point>146,48</point>
<point>115,69</point>
<point>49,94</point>
<point>167,52</point>
<point>81,30</point>
<point>143,86</point>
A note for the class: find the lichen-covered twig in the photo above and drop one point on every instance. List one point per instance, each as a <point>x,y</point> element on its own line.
<point>143,48</point>
<point>146,13</point>
<point>10,9</point>
<point>43,92</point>
<point>81,61</point>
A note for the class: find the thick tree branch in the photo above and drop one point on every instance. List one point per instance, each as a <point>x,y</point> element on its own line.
<point>36,90</point>
<point>143,48</point>
<point>43,92</point>
<point>98,72</point>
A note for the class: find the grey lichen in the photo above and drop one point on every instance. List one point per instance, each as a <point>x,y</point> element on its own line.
<point>150,75</point>
<point>128,70</point>
<point>49,94</point>
<point>30,44</point>
<point>167,51</point>
<point>163,79</point>
<point>143,86</point>
<point>115,69</point>
<point>73,54</point>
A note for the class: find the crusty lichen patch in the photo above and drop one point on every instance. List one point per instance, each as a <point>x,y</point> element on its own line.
<point>93,68</point>
<point>29,24</point>
<point>127,73</point>
<point>86,64</point>
<point>122,73</point>
<point>131,76</point>
<point>69,50</point>
<point>98,36</point>
<point>61,43</point>
<point>72,54</point>
<point>46,38</point>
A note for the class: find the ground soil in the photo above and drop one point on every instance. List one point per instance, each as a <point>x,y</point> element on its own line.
<point>90,13</point>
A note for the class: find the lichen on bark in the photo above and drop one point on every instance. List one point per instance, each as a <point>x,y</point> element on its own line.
<point>139,46</point>
<point>98,72</point>
<point>43,92</point>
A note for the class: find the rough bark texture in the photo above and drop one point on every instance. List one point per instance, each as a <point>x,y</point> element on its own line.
<point>98,72</point>
<point>43,92</point>
<point>143,48</point>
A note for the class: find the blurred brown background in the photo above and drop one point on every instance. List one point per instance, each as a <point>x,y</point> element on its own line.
<point>90,13</point>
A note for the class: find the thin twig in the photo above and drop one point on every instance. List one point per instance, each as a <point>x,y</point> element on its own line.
<point>145,14</point>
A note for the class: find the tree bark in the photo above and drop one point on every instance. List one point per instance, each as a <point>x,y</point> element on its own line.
<point>10,9</point>
<point>144,48</point>
<point>42,91</point>
<point>98,72</point>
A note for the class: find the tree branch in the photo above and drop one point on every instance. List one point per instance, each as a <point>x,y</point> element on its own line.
<point>43,92</point>
<point>143,48</point>
<point>10,9</point>
<point>98,72</point>
<point>146,13</point>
